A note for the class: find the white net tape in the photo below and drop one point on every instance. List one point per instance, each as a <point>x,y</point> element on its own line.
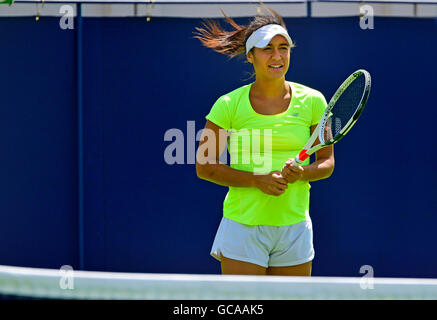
<point>61,284</point>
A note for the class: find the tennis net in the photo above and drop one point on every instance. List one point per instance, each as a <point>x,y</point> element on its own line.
<point>31,283</point>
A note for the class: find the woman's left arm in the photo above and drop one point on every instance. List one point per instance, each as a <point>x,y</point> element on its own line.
<point>320,169</point>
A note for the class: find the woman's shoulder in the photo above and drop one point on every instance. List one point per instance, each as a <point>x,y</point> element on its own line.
<point>303,90</point>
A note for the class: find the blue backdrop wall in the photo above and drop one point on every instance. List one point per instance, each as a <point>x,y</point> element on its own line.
<point>142,79</point>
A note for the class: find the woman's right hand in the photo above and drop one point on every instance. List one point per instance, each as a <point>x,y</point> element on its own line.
<point>272,183</point>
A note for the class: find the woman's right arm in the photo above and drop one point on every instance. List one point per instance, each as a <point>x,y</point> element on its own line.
<point>208,167</point>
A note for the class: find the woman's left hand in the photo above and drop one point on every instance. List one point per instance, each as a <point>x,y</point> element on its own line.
<point>292,173</point>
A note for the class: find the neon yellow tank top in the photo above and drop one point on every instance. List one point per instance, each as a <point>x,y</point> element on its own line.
<point>263,143</point>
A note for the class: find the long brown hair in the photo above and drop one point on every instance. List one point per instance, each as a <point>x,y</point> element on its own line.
<point>233,43</point>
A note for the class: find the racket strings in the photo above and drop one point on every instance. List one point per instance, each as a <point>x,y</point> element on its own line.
<point>345,108</point>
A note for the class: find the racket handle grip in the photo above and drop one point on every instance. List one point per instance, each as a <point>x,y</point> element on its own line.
<point>296,162</point>
<point>300,158</point>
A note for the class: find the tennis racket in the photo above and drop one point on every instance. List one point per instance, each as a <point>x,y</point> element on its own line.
<point>343,110</point>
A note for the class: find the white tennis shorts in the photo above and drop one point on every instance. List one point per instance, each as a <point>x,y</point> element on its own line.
<point>267,246</point>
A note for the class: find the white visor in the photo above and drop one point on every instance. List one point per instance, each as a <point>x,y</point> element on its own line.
<point>261,37</point>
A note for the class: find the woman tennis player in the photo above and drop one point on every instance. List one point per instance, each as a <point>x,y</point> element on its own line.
<point>266,228</point>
